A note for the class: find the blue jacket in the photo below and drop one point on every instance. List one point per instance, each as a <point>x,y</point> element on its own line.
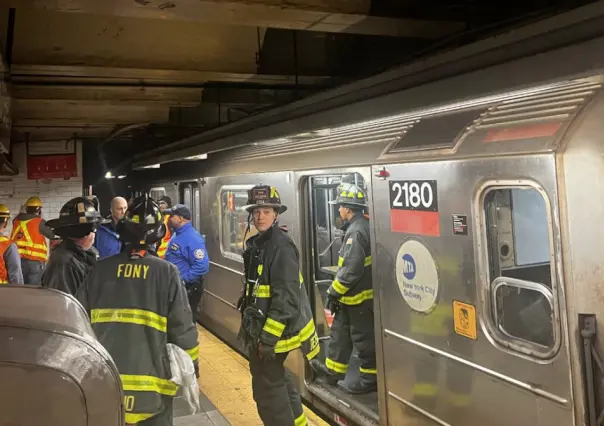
<point>187,250</point>
<point>107,242</point>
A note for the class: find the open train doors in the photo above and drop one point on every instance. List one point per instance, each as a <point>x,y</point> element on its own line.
<point>323,239</point>
<point>470,293</point>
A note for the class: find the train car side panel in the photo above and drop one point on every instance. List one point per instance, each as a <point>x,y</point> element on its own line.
<point>453,336</point>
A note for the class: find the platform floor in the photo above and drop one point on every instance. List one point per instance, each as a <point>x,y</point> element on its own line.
<point>226,388</point>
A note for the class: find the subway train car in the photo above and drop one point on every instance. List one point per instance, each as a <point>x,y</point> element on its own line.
<point>487,234</point>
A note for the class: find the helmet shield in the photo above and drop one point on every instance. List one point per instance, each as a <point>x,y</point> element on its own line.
<point>264,196</point>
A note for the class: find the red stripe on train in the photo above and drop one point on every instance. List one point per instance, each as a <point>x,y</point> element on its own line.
<point>524,132</point>
<point>415,222</point>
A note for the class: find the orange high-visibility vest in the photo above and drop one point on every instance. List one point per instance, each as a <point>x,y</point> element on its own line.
<point>30,242</point>
<point>161,251</point>
<point>4,245</point>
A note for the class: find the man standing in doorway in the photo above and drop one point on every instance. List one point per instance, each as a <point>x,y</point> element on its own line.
<point>107,240</point>
<point>187,250</point>
<point>164,203</point>
<point>30,233</point>
<point>350,298</point>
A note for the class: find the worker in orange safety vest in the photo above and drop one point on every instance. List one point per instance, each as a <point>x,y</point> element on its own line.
<point>30,233</point>
<point>164,203</point>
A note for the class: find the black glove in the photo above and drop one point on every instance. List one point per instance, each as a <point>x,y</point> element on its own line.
<point>266,352</point>
<point>332,304</point>
<point>241,303</point>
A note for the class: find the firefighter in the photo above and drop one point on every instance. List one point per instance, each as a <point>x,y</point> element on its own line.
<point>30,233</point>
<point>164,203</point>
<point>187,250</point>
<point>276,314</point>
<point>74,257</point>
<point>10,262</point>
<point>350,298</point>
<point>137,305</point>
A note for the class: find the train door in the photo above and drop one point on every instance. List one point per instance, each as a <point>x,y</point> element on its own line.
<point>470,293</point>
<point>324,239</point>
<point>189,196</point>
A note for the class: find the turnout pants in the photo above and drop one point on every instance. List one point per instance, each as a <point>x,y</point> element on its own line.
<point>353,326</point>
<point>194,293</point>
<point>165,418</point>
<point>32,271</point>
<point>277,399</point>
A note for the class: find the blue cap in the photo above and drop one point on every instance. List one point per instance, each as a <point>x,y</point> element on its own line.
<point>179,210</point>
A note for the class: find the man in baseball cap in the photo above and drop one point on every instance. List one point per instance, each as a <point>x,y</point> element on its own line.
<point>187,250</point>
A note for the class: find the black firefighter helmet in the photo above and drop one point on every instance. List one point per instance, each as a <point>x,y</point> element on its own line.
<point>143,223</point>
<point>264,196</point>
<point>350,195</point>
<point>78,217</point>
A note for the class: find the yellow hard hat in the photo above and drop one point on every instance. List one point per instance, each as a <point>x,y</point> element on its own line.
<point>33,202</point>
<point>4,211</point>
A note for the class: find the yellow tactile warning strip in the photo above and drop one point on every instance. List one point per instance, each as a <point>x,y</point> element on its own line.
<point>225,380</point>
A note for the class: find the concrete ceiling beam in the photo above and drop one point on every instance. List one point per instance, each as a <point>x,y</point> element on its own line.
<point>334,16</point>
<point>73,74</point>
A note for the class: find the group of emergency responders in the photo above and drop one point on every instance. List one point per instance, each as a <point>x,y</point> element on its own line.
<point>147,260</point>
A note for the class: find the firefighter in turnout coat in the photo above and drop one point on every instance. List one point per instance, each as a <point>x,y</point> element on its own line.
<point>137,305</point>
<point>350,298</point>
<point>276,314</point>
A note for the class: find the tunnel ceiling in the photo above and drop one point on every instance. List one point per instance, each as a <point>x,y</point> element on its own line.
<point>131,75</point>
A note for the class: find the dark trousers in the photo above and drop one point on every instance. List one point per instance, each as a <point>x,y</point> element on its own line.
<point>276,397</point>
<point>32,271</point>
<point>353,325</point>
<point>194,293</point>
<point>165,418</point>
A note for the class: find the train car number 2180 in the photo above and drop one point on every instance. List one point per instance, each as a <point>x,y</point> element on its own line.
<point>414,207</point>
<point>413,195</point>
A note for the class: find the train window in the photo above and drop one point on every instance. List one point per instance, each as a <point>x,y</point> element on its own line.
<point>157,192</point>
<point>234,221</point>
<point>519,269</point>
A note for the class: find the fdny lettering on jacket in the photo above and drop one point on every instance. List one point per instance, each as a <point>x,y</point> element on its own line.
<point>129,270</point>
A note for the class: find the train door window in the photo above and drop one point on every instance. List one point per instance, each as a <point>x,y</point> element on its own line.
<point>234,221</point>
<point>157,192</point>
<point>518,234</point>
<point>197,204</point>
<point>189,196</point>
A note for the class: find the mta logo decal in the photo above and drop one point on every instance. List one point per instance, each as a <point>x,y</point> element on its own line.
<point>408,267</point>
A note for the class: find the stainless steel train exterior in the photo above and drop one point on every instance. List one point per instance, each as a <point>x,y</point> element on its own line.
<point>486,214</point>
<point>486,220</point>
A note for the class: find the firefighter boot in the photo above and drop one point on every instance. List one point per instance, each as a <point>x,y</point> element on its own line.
<point>359,386</point>
<point>324,373</point>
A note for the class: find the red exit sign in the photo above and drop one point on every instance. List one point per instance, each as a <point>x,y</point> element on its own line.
<point>52,166</point>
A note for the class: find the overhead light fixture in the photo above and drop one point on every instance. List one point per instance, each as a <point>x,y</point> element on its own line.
<point>197,157</point>
<point>151,166</point>
<point>121,176</point>
<point>109,175</point>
